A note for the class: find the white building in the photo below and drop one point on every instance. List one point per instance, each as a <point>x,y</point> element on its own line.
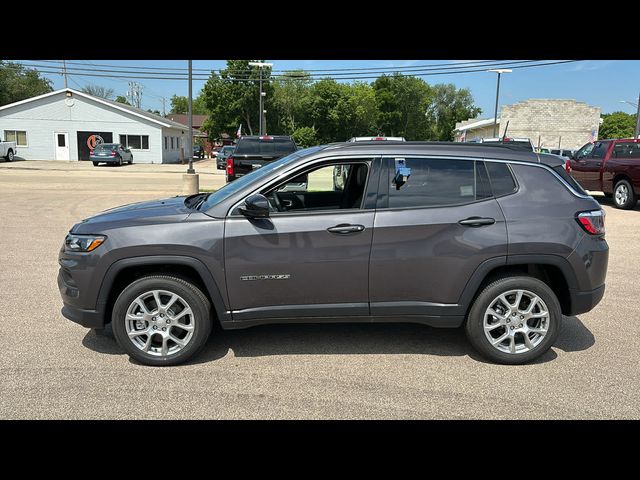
<point>66,125</point>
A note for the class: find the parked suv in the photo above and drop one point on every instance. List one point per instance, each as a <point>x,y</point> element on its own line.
<point>491,237</point>
<point>254,152</point>
<point>612,167</point>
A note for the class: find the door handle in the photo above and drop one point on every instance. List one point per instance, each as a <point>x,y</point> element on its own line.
<point>344,229</point>
<point>477,221</point>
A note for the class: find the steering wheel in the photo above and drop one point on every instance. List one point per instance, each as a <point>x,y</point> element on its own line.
<point>276,201</point>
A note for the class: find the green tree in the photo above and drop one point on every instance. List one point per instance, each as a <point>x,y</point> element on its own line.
<point>19,83</point>
<point>285,109</point>
<point>179,104</point>
<point>305,137</point>
<point>447,106</point>
<point>232,97</point>
<point>121,99</point>
<point>98,91</point>
<point>617,125</point>
<point>157,112</point>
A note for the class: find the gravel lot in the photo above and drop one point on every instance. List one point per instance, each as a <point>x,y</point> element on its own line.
<point>53,368</point>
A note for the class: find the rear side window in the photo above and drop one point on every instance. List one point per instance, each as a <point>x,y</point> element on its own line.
<point>255,146</point>
<point>433,182</point>
<point>626,150</point>
<point>502,182</point>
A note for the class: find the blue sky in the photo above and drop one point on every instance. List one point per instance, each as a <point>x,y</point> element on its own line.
<point>601,83</point>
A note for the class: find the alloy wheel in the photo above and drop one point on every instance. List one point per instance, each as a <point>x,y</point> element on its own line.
<point>516,321</point>
<point>622,194</point>
<point>160,323</point>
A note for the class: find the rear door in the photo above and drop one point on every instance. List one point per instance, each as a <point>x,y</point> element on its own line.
<point>431,233</point>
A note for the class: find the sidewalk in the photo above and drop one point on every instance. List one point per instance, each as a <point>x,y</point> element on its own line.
<point>202,167</point>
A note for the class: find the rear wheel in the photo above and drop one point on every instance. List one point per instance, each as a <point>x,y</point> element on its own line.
<point>161,320</point>
<point>95,164</point>
<point>623,195</point>
<point>514,320</point>
<point>9,156</point>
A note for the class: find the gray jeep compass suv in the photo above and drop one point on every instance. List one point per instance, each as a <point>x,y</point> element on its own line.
<point>490,237</point>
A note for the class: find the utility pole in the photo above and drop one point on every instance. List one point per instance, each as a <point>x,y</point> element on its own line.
<point>134,94</point>
<point>64,72</point>
<point>261,65</point>
<point>190,180</point>
<point>499,71</point>
<point>164,111</point>
<point>637,133</point>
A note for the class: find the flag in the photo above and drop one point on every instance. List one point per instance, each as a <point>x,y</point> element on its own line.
<point>463,136</point>
<point>592,136</point>
<point>239,132</point>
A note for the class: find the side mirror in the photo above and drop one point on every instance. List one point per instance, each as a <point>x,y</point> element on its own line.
<point>255,206</point>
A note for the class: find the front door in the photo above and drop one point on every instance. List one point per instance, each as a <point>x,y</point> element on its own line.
<point>310,258</point>
<point>586,166</point>
<point>61,141</point>
<point>437,224</point>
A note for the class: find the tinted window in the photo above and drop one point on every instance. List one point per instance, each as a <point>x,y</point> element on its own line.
<point>483,187</point>
<point>560,170</point>
<point>626,150</point>
<point>255,146</point>
<point>106,146</point>
<point>502,181</point>
<point>585,151</point>
<point>433,182</point>
<point>599,150</point>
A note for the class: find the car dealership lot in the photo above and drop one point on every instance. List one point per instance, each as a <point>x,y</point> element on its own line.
<point>52,368</point>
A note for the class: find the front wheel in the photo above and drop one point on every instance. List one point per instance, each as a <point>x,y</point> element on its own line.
<point>161,320</point>
<point>120,161</point>
<point>514,320</point>
<point>131,160</point>
<point>623,195</point>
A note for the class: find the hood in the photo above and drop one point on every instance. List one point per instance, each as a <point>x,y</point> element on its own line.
<point>169,210</point>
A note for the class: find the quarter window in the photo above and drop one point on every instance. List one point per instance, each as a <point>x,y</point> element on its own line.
<point>433,182</point>
<point>18,136</point>
<point>626,150</point>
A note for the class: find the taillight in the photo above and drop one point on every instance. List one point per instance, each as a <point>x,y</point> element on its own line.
<point>113,154</point>
<point>592,222</point>
<point>266,137</point>
<point>230,166</point>
<point>567,166</point>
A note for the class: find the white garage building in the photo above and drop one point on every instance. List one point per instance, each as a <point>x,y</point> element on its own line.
<point>66,125</point>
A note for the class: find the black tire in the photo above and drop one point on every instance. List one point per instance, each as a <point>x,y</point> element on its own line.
<point>474,324</point>
<point>608,195</point>
<point>120,163</point>
<point>620,201</point>
<point>95,164</point>
<point>198,302</point>
<point>9,157</point>
<point>131,160</point>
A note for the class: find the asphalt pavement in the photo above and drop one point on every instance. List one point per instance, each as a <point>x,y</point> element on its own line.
<point>52,368</point>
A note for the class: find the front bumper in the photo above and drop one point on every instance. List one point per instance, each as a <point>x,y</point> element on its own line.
<point>86,318</point>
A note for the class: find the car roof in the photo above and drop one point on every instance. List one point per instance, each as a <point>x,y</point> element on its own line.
<point>497,151</point>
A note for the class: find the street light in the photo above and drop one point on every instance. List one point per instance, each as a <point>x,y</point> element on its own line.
<point>499,71</point>
<point>637,105</point>
<point>261,65</point>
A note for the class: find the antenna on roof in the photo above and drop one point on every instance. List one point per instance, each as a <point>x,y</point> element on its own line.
<point>504,134</point>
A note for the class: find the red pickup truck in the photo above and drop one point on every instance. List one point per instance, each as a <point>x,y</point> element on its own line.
<point>609,166</point>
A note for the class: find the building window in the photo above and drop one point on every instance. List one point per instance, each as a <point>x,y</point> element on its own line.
<point>166,142</point>
<point>171,143</point>
<point>18,136</point>
<point>136,142</point>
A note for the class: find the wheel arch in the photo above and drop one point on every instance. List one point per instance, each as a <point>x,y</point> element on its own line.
<point>553,270</point>
<point>122,272</point>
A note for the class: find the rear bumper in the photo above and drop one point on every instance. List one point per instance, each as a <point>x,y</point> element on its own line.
<point>105,159</point>
<point>582,302</point>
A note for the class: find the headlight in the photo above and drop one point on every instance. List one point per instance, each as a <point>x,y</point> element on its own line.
<point>83,243</point>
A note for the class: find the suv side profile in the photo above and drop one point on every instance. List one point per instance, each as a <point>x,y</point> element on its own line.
<point>490,237</point>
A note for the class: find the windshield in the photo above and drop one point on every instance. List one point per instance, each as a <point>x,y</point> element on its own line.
<point>237,185</point>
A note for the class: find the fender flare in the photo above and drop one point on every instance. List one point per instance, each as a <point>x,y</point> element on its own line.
<point>212,288</point>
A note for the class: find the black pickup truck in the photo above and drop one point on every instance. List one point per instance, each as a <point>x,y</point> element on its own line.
<point>256,151</point>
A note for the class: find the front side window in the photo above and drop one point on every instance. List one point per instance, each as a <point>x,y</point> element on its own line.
<point>18,136</point>
<point>585,151</point>
<point>422,182</point>
<point>329,187</point>
<point>599,150</point>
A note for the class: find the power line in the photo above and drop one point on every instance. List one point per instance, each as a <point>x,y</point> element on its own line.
<point>312,78</point>
<point>371,71</point>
